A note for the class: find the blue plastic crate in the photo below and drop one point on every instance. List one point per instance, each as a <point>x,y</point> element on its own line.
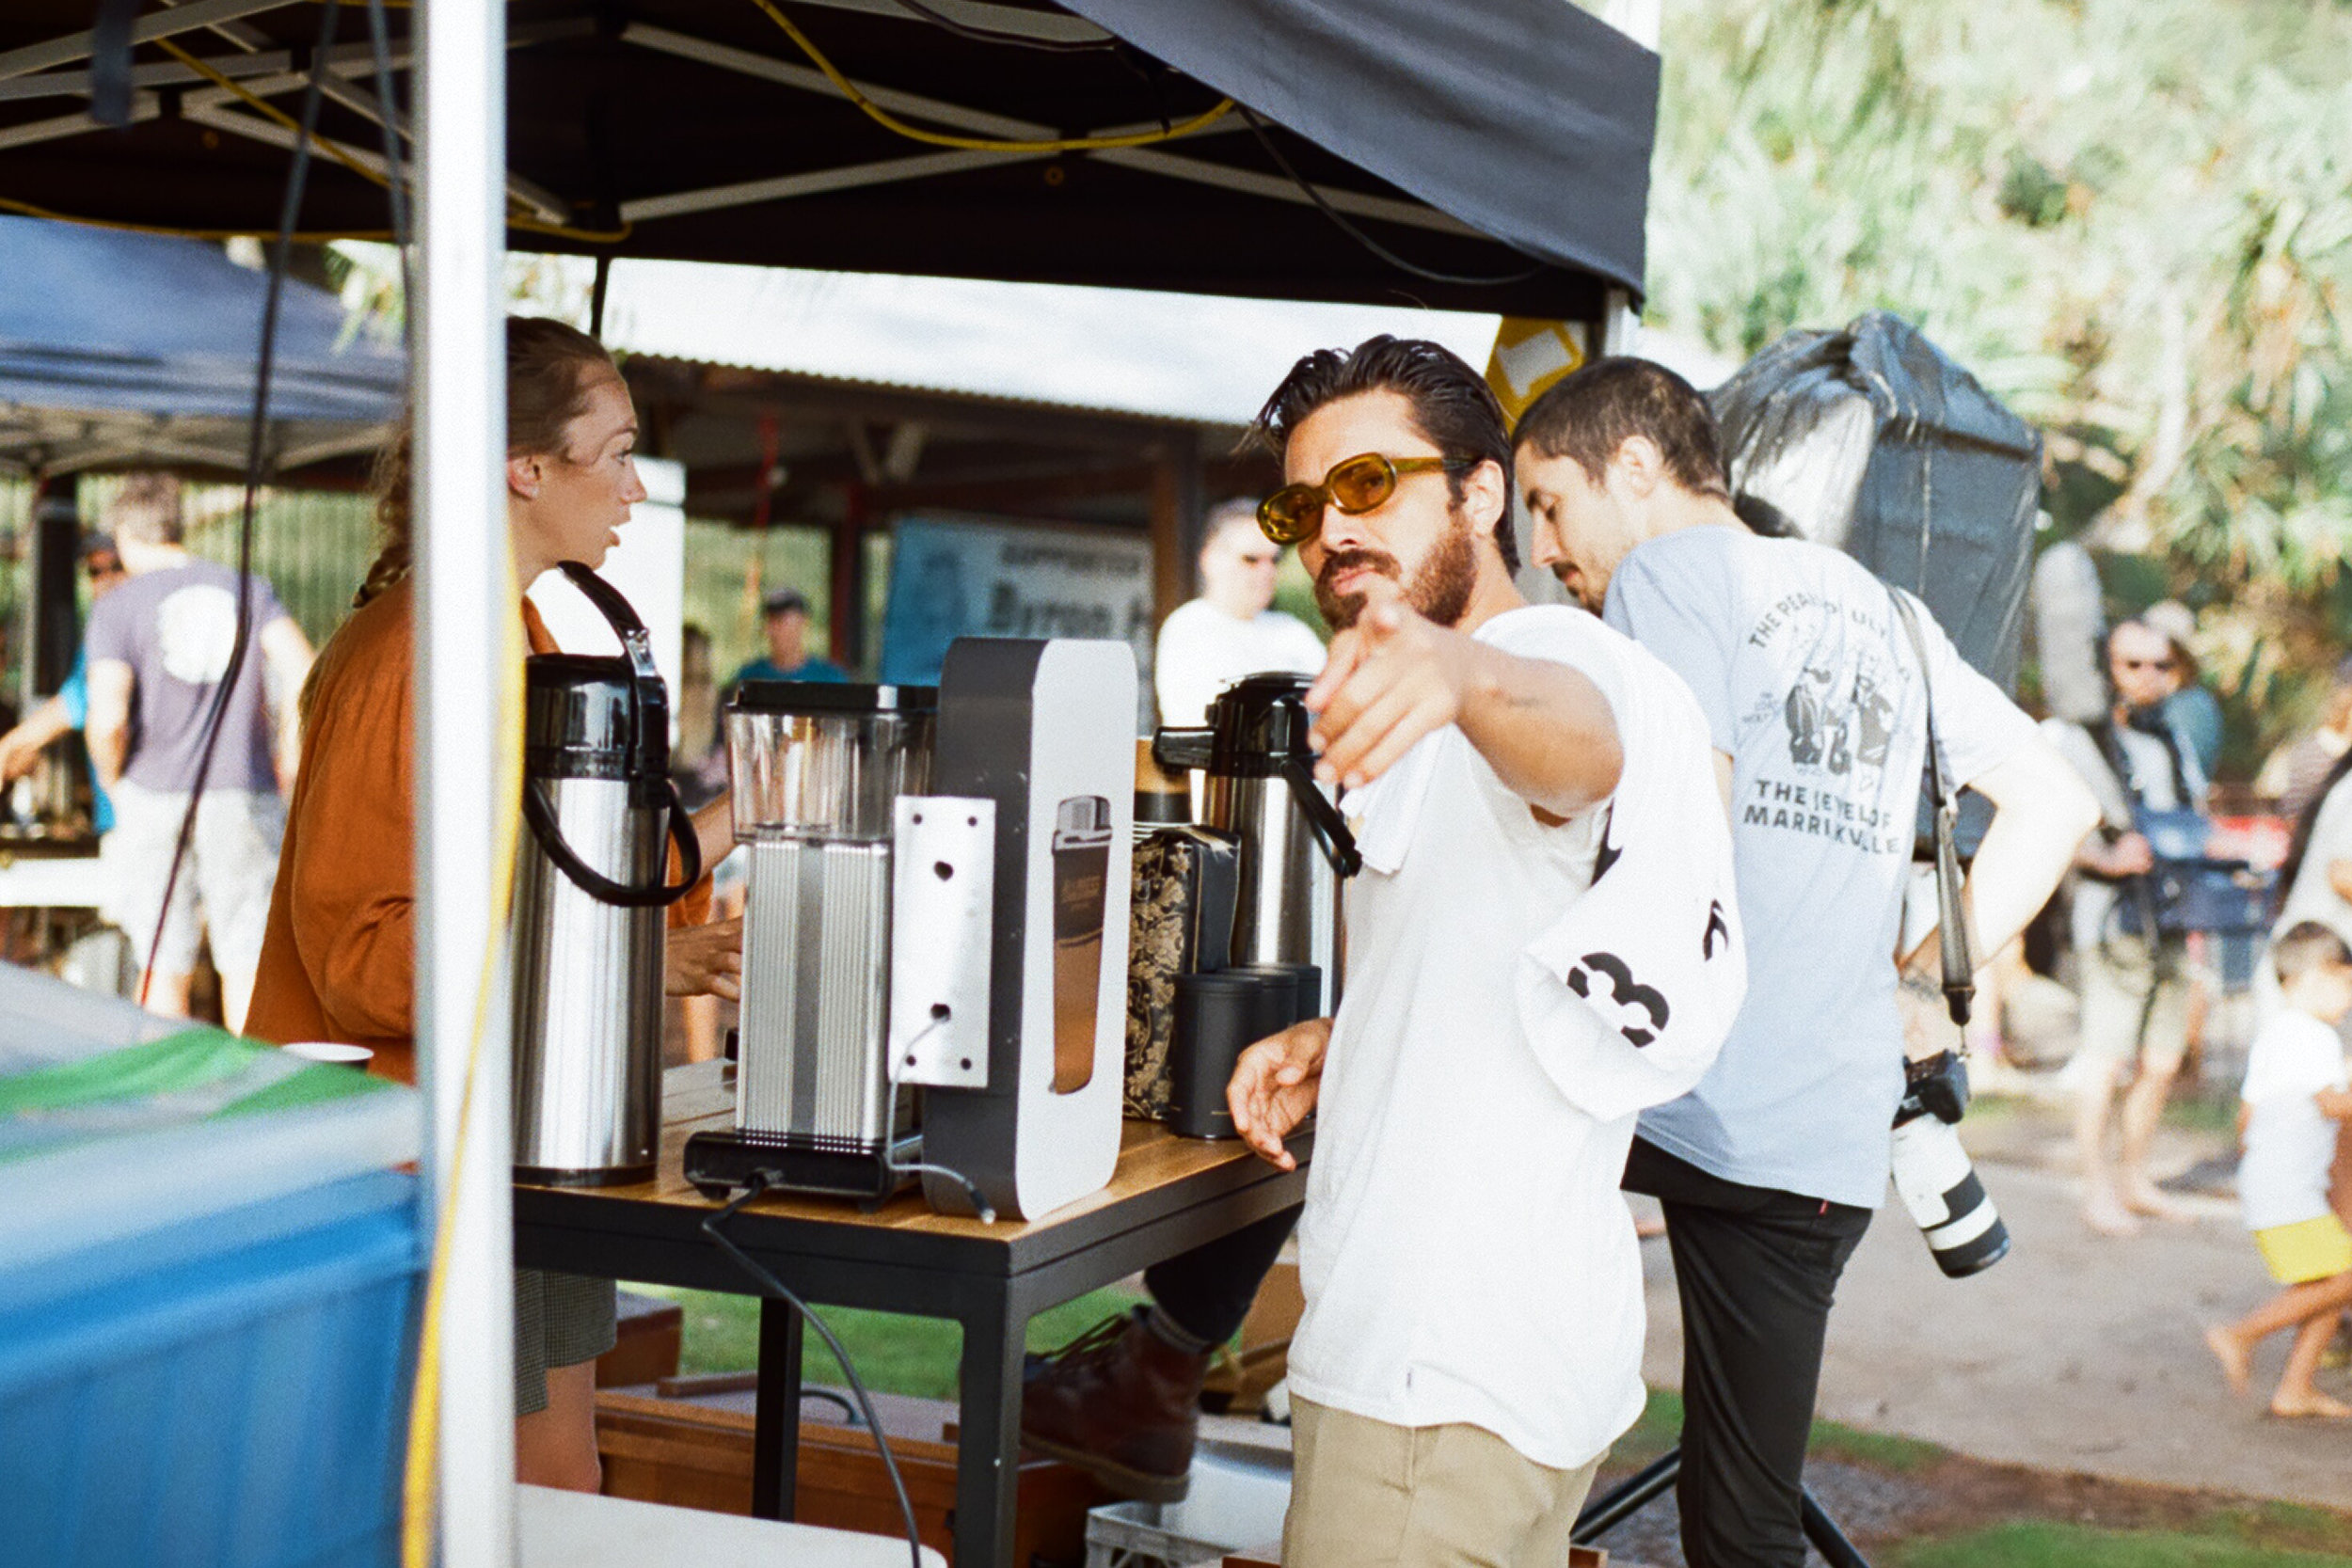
<point>224,1392</point>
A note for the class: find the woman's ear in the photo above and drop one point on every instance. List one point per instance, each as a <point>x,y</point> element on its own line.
<point>522,477</point>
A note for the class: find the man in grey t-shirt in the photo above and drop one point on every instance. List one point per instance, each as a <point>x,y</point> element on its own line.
<point>1769,1168</point>
<point>157,649</point>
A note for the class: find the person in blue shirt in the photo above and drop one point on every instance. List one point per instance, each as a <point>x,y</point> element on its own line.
<point>69,709</point>
<point>785,617</point>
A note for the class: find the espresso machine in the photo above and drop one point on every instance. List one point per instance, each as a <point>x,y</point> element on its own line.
<point>1294,847</point>
<point>930,987</point>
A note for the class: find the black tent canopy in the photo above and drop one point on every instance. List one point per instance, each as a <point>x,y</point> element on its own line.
<point>1503,145</point>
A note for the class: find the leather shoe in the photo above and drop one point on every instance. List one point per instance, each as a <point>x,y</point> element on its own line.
<point>1120,1403</point>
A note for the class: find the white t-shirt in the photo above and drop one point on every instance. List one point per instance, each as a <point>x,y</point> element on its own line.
<point>1202,651</point>
<point>1809,683</point>
<point>2289,1146</point>
<point>1466,1254</point>
<point>2151,784</point>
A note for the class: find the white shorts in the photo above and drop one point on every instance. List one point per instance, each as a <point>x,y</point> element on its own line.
<point>224,886</point>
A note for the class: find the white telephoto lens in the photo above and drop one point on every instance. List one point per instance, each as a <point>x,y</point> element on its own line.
<point>1939,1186</point>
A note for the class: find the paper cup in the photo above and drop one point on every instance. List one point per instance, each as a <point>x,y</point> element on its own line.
<point>327,1051</point>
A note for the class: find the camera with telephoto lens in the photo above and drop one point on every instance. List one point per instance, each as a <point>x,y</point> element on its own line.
<point>1932,1173</point>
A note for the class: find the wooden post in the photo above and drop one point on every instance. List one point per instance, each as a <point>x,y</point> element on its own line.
<point>847,612</point>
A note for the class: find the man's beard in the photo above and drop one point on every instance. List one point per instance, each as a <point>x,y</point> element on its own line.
<point>1441,591</point>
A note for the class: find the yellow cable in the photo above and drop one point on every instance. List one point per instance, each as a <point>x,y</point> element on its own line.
<point>884,119</point>
<point>270,111</point>
<point>419,1481</point>
<point>335,151</point>
<point>9,204</point>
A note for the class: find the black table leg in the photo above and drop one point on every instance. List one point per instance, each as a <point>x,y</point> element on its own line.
<point>776,1419</point>
<point>988,1455</point>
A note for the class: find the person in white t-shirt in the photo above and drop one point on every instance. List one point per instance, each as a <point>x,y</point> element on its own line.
<point>2295,1098</point>
<point>1769,1170</point>
<point>1542,941</point>
<point>1231,630</point>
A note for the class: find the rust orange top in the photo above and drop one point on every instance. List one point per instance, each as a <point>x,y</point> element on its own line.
<point>339,961</point>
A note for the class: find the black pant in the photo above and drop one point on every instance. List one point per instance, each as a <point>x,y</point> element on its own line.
<point>1208,1291</point>
<point>1757,1269</point>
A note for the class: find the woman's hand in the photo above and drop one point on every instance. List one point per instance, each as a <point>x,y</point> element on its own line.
<point>705,961</point>
<point>1275,1086</point>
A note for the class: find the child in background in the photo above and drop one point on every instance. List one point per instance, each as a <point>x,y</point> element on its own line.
<point>2295,1096</point>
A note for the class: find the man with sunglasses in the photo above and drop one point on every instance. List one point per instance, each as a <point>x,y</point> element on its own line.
<point>1542,941</point>
<point>2135,991</point>
<point>1769,1169</point>
<point>21,749</point>
<point>1233,629</point>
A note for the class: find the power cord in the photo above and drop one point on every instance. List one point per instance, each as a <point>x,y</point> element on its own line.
<point>1018,41</point>
<point>1258,127</point>
<point>714,1227</point>
<point>255,463</point>
<point>891,122</point>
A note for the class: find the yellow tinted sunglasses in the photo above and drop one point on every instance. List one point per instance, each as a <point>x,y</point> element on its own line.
<point>1355,485</point>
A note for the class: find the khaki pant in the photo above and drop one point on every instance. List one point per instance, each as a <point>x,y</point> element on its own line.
<point>1368,1494</point>
<point>2117,976</point>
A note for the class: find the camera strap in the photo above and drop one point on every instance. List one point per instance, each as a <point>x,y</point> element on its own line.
<point>1959,965</point>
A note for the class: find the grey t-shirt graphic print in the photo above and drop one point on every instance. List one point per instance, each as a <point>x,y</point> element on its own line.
<point>1810,685</point>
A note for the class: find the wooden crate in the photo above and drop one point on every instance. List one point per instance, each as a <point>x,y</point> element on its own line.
<point>648,1333</point>
<point>692,1456</point>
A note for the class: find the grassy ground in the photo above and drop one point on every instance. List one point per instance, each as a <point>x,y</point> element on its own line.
<point>1983,1519</point>
<point>895,1354</point>
<point>2047,1545</point>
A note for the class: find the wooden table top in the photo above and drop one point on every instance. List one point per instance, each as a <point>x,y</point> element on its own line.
<point>1151,1160</point>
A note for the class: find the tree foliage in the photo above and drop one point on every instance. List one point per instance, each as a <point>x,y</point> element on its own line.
<point>2131,218</point>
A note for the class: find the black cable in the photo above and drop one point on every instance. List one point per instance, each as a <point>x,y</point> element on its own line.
<point>849,1411</point>
<point>1020,40</point>
<point>712,1228</point>
<point>380,47</point>
<point>257,457</point>
<point>1258,127</point>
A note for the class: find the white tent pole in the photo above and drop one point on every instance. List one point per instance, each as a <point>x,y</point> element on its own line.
<point>1642,20</point>
<point>462,606</point>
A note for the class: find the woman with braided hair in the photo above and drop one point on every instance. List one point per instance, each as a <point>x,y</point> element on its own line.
<point>338,959</point>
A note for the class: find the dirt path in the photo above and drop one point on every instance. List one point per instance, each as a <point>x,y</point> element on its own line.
<point>2073,1354</point>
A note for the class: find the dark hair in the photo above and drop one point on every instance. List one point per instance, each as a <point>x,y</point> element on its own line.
<point>147,509</point>
<point>2307,945</point>
<point>1452,405</point>
<point>1593,411</point>
<point>2300,845</point>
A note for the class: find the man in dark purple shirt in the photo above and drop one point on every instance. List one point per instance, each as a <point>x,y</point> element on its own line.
<point>157,649</point>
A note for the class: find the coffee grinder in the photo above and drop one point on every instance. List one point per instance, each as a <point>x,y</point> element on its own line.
<point>930,983</point>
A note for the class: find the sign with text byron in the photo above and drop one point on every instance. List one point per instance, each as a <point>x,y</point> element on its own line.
<point>956,577</point>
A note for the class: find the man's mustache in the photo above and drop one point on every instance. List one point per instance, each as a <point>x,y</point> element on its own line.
<point>1348,560</point>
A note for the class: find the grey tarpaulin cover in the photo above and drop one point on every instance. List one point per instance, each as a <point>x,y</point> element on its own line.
<point>1528,119</point>
<point>1875,441</point>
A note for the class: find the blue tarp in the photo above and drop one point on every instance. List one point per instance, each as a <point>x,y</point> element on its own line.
<point>168,331</point>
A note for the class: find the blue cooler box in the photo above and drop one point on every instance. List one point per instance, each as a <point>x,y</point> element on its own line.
<point>208,1290</point>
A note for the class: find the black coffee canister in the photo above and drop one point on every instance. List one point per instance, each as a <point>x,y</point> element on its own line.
<point>1219,1015</point>
<point>1307,978</point>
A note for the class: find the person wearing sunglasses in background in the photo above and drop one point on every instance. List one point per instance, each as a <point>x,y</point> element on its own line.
<point>21,749</point>
<point>1233,629</point>
<point>2135,991</point>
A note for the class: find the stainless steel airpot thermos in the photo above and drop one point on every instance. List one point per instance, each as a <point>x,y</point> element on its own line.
<point>1295,845</point>
<point>590,890</point>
